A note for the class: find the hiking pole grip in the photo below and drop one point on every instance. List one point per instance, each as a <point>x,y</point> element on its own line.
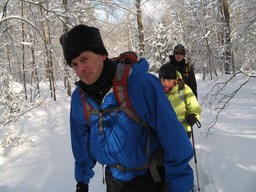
<point>198,124</point>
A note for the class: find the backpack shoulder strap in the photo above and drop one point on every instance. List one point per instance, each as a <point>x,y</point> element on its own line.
<point>120,88</point>
<point>188,65</point>
<point>121,92</point>
<point>181,86</point>
<point>120,83</point>
<point>182,95</point>
<point>87,107</point>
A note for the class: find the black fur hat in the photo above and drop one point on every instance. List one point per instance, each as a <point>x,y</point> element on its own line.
<point>79,39</point>
<point>167,71</point>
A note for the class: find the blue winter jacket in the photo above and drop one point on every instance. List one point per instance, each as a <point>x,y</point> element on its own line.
<point>123,141</point>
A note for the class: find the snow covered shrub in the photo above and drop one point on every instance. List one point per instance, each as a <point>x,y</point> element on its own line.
<point>12,106</point>
<point>11,98</point>
<point>10,138</point>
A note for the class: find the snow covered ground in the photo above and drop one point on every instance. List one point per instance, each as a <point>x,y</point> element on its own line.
<point>41,160</point>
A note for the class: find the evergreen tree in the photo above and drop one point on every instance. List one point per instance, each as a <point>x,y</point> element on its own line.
<point>161,46</point>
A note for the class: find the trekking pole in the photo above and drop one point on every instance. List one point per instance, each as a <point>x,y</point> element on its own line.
<point>193,141</point>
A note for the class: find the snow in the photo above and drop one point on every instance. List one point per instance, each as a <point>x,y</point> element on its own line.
<point>41,159</point>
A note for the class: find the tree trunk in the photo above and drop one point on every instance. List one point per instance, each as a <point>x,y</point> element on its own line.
<point>204,29</point>
<point>49,64</point>
<point>140,28</point>
<point>34,77</point>
<point>23,54</point>
<point>67,83</point>
<point>228,53</point>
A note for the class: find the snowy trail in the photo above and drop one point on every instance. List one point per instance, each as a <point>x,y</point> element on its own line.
<point>226,159</point>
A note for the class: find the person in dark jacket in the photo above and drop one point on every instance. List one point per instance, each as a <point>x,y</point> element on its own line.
<point>184,67</point>
<point>113,139</point>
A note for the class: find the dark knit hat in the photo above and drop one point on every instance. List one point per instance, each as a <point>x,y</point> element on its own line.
<point>167,71</point>
<point>179,47</point>
<point>79,39</point>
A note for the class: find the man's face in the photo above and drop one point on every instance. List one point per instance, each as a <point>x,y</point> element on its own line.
<point>179,55</point>
<point>88,66</point>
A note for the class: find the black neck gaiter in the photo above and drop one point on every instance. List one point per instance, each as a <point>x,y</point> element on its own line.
<point>101,87</point>
<point>179,65</point>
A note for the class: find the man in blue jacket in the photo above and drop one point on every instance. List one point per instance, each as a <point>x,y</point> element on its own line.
<point>115,140</point>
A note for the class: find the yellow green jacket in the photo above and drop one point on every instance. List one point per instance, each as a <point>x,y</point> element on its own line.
<point>184,103</point>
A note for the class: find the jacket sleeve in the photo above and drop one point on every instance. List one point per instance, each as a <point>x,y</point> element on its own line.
<point>152,104</point>
<point>192,105</point>
<point>192,80</point>
<point>79,133</point>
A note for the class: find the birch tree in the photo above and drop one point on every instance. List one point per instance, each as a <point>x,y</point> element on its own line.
<point>228,61</point>
<point>140,28</point>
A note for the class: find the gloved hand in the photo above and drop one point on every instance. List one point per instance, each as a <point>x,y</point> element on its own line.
<point>191,119</point>
<point>81,187</point>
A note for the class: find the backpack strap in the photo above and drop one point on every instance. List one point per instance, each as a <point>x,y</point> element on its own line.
<point>155,161</point>
<point>87,108</point>
<point>88,111</point>
<point>187,69</point>
<point>121,92</point>
<point>181,95</point>
<point>181,86</point>
<point>120,83</point>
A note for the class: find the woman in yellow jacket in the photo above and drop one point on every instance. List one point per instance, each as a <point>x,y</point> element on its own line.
<point>181,97</point>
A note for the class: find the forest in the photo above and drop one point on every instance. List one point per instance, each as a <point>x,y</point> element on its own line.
<point>219,36</point>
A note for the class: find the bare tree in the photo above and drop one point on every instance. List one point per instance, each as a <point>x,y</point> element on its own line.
<point>228,60</point>
<point>48,44</point>
<point>140,28</point>
<point>23,53</point>
<point>67,82</point>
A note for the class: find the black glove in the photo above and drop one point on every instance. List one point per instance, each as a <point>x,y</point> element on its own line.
<point>81,187</point>
<point>191,119</point>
